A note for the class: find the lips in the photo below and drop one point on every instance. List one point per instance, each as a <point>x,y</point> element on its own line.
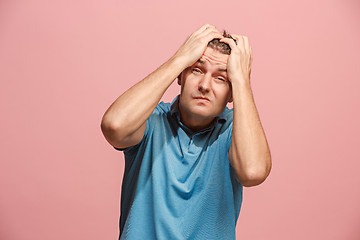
<point>202,98</point>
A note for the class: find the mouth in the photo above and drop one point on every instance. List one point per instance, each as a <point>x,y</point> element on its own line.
<point>202,99</point>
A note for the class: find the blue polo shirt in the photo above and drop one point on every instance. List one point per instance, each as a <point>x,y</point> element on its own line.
<point>178,184</point>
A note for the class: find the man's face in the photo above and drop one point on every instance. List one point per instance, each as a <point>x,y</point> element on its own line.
<point>205,88</point>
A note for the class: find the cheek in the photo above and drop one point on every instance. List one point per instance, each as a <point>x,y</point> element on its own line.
<point>222,89</point>
<point>189,84</point>
<point>185,88</point>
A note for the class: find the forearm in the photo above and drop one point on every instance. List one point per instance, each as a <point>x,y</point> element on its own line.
<point>250,154</point>
<point>130,110</point>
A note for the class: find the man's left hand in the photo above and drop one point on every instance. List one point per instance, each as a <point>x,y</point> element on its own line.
<point>240,59</point>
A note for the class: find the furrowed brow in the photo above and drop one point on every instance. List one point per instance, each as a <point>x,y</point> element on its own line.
<point>220,69</point>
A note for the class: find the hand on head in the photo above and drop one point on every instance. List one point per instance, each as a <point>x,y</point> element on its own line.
<point>195,45</point>
<point>240,59</point>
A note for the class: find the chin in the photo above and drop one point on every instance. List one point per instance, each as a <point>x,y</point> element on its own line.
<point>202,113</point>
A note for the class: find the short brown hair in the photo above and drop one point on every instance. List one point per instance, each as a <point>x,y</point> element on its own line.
<point>221,46</point>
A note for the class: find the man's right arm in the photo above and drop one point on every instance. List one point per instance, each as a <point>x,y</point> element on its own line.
<point>124,122</point>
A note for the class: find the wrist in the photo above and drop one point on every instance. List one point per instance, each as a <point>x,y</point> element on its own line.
<point>240,83</point>
<point>179,62</point>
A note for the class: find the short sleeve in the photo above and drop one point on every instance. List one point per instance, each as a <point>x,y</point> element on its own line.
<point>149,122</point>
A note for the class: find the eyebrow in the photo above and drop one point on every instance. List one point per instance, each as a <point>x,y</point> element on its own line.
<point>220,69</point>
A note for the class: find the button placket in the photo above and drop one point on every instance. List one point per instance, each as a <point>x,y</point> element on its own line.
<point>190,146</point>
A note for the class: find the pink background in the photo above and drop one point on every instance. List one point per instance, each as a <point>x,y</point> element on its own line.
<point>62,63</point>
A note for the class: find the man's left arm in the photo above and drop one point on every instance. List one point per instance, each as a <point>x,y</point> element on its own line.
<point>249,153</point>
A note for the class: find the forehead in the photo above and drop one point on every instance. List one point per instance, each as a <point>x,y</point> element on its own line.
<point>215,57</point>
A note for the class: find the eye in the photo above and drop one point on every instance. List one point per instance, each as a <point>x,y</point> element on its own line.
<point>220,78</point>
<point>196,70</point>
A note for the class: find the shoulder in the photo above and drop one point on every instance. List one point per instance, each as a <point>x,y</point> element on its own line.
<point>226,116</point>
<point>163,107</point>
<point>228,113</point>
<point>161,110</point>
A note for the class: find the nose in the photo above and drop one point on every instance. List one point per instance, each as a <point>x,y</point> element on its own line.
<point>205,83</point>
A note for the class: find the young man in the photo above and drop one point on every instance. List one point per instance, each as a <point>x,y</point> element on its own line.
<point>186,162</point>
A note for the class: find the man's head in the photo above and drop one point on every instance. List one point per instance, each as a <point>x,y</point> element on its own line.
<point>205,88</point>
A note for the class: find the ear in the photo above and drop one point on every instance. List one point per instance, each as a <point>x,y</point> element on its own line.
<point>179,78</point>
<point>231,93</point>
<point>231,98</point>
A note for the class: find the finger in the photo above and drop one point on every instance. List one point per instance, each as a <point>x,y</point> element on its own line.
<point>247,47</point>
<point>211,32</point>
<point>209,29</point>
<point>208,37</point>
<point>251,56</point>
<point>204,27</point>
<point>204,32</point>
<point>198,31</point>
<point>246,44</point>
<point>230,42</point>
<point>213,35</point>
<point>240,42</point>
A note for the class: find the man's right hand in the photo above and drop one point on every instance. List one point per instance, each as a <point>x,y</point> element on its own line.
<point>195,45</point>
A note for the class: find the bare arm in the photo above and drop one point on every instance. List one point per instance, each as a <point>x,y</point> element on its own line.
<point>124,123</point>
<point>249,152</point>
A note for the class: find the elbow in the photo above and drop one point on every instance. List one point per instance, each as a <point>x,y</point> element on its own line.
<point>111,130</point>
<point>113,134</point>
<point>107,126</point>
<point>254,177</point>
<point>252,181</point>
<point>108,130</point>
<point>110,125</point>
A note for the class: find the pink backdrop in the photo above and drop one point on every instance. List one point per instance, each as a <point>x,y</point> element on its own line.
<point>62,63</point>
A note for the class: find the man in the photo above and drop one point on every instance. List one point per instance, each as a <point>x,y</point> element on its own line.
<point>187,161</point>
